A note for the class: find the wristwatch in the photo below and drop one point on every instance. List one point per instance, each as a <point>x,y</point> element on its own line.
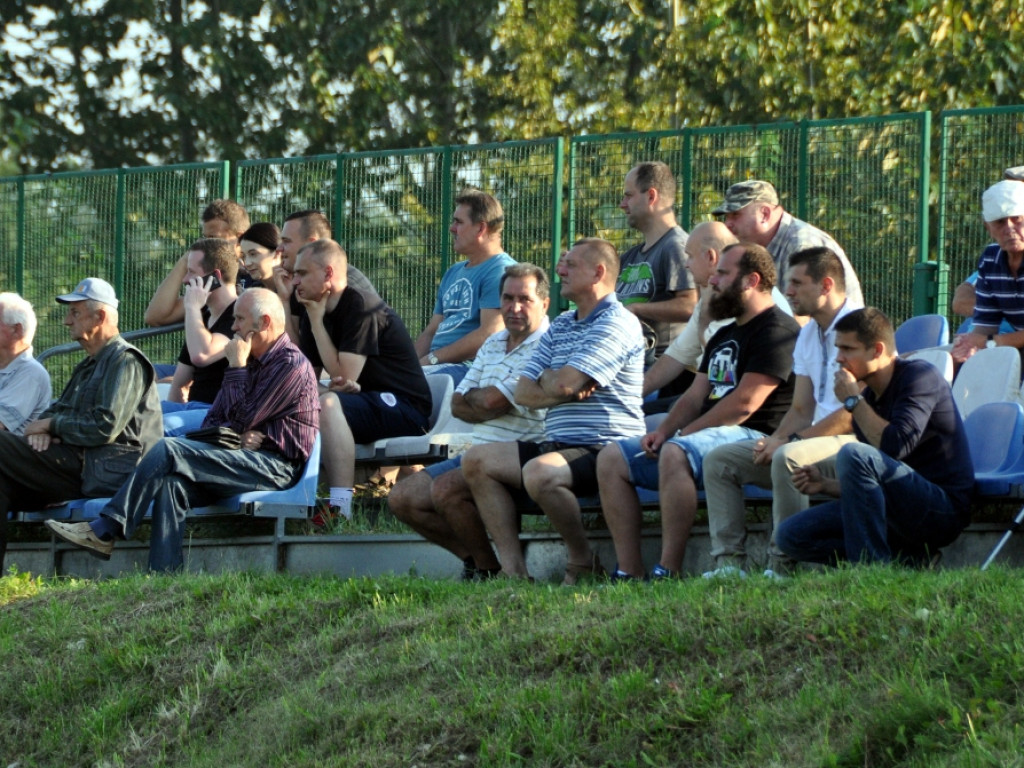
<point>851,402</point>
<point>432,359</point>
<point>990,342</point>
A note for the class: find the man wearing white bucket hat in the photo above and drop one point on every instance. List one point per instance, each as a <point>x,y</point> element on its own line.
<point>1000,286</point>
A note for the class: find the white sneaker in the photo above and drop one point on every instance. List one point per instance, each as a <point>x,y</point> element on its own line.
<point>770,574</point>
<point>725,572</point>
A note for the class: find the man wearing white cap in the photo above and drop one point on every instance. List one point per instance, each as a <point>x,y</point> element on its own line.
<point>91,438</point>
<point>752,212</point>
<point>1000,285</point>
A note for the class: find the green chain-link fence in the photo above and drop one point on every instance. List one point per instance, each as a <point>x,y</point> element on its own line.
<point>864,180</point>
<point>976,146</point>
<point>393,213</point>
<point>127,226</point>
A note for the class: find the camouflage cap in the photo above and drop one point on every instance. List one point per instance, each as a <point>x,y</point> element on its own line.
<point>746,192</point>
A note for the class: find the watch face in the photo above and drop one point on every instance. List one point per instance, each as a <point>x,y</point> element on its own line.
<point>851,402</point>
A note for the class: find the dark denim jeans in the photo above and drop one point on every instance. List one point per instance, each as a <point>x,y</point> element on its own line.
<point>886,512</point>
<point>178,474</point>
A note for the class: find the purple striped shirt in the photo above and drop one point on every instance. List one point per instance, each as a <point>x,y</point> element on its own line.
<point>275,394</point>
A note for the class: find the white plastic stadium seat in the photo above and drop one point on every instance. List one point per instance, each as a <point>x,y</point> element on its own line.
<point>988,376</point>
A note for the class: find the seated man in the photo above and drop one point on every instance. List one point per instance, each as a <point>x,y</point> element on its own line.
<point>209,306</point>
<point>108,416</point>
<point>587,371</point>
<point>467,309</point>
<point>904,488</point>
<point>377,387</point>
<point>1000,286</point>
<point>269,397</point>
<point>24,383</point>
<point>222,220</point>
<point>813,430</point>
<point>299,229</point>
<point>742,388</point>
<point>437,502</point>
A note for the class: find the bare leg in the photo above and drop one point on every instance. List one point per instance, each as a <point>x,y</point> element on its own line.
<point>621,509</point>
<point>678,493</point>
<point>338,459</point>
<point>454,504</point>
<point>490,470</point>
<point>549,482</point>
<point>410,501</point>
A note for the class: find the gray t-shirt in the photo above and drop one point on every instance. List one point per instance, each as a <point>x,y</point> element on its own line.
<point>655,275</point>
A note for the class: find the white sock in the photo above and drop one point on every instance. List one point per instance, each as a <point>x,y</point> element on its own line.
<point>342,499</point>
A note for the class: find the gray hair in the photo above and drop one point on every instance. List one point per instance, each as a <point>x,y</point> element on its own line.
<point>265,302</point>
<point>18,311</point>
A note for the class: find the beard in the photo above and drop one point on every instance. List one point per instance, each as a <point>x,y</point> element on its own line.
<point>727,304</point>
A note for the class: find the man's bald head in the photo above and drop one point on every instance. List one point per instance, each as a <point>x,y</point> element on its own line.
<point>704,247</point>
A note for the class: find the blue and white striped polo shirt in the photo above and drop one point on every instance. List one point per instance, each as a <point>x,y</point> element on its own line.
<point>1000,295</point>
<point>607,346</point>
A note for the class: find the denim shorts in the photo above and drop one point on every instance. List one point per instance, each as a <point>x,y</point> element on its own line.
<point>436,470</point>
<point>643,470</point>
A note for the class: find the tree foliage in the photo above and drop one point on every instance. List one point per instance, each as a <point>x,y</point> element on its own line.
<point>106,83</point>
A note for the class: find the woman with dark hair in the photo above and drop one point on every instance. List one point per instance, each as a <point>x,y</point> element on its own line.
<point>259,252</point>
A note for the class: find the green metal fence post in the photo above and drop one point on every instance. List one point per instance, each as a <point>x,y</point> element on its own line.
<point>447,207</point>
<point>19,269</point>
<point>803,170</point>
<point>340,225</point>
<point>686,212</point>
<point>225,179</point>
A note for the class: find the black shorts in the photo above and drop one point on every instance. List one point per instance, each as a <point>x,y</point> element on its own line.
<point>582,461</point>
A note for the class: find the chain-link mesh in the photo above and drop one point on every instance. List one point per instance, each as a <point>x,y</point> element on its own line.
<point>860,180</point>
<point>395,207</point>
<point>125,226</point>
<point>163,208</point>
<point>865,187</point>
<point>977,145</point>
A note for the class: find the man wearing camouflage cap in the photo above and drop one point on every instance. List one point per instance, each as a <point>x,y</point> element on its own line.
<point>752,213</point>
<point>105,420</point>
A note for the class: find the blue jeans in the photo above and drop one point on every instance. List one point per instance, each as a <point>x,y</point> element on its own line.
<point>180,418</point>
<point>886,512</point>
<point>179,474</point>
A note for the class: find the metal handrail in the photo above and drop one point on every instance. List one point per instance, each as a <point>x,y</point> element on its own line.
<point>141,333</point>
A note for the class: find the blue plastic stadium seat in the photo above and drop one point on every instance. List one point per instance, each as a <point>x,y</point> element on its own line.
<point>922,331</point>
<point>995,433</point>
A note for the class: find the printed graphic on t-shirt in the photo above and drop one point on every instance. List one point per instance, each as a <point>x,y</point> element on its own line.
<point>457,302</point>
<point>636,284</point>
<point>722,369</point>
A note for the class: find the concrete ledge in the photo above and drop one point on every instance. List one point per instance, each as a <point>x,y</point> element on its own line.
<point>379,554</point>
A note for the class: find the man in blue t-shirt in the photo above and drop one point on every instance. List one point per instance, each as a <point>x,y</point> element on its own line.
<point>904,488</point>
<point>468,306</point>
<point>587,370</point>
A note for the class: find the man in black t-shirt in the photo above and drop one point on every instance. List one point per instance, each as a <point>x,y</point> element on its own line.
<point>377,388</point>
<point>210,293</point>
<point>742,389</point>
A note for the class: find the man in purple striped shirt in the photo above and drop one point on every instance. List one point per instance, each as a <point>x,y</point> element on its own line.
<point>269,398</point>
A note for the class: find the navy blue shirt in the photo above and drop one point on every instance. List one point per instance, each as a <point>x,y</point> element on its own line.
<point>925,431</point>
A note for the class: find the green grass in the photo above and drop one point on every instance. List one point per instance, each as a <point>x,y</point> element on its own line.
<point>856,667</point>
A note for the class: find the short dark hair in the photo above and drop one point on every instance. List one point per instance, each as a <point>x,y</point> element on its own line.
<point>755,259</point>
<point>482,208</point>
<point>263,233</point>
<point>231,213</point>
<point>603,252</point>
<point>871,326</point>
<point>656,174</point>
<point>821,262</point>
<point>525,269</point>
<point>218,254</point>
<point>314,224</point>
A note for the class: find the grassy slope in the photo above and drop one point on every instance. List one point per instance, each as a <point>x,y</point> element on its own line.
<point>860,667</point>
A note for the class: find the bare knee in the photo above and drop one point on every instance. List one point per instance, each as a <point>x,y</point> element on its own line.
<point>410,494</point>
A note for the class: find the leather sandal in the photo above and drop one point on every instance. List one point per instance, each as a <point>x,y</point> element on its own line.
<point>575,572</point>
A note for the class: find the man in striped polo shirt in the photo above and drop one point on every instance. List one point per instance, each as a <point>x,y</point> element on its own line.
<point>587,370</point>
<point>1000,286</point>
<point>437,502</point>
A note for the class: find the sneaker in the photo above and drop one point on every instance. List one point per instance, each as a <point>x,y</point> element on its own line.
<point>725,572</point>
<point>82,535</point>
<point>325,515</point>
<point>660,573</point>
<point>620,577</point>
<point>770,574</point>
